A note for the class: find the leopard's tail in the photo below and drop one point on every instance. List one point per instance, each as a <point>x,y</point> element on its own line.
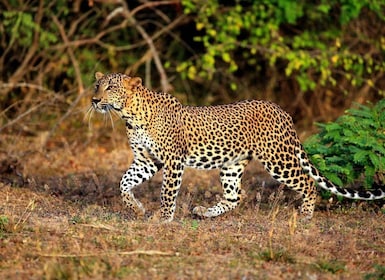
<point>377,193</point>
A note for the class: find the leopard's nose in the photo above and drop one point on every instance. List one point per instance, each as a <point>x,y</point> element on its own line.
<point>95,100</point>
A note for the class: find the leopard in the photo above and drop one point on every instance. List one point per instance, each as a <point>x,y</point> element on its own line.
<point>165,134</point>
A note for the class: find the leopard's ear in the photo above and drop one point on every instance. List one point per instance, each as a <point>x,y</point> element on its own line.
<point>98,75</point>
<point>130,82</point>
<point>136,81</point>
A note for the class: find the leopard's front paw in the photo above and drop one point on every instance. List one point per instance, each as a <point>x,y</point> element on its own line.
<point>157,218</point>
<point>139,210</point>
<point>200,211</point>
<point>134,205</point>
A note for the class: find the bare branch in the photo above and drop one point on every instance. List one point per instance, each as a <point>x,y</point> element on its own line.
<point>133,67</point>
<point>114,13</point>
<point>27,85</point>
<point>23,67</point>
<point>51,96</point>
<point>70,53</point>
<point>67,114</point>
<point>164,29</point>
<point>21,116</point>
<point>149,4</point>
<point>75,23</point>
<point>90,41</point>
<point>163,76</point>
<point>97,38</point>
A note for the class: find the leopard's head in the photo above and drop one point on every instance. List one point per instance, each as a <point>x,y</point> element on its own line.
<point>114,92</point>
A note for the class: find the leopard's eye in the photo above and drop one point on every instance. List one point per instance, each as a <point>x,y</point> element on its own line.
<point>108,87</point>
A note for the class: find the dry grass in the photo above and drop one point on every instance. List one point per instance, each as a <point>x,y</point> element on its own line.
<point>61,218</point>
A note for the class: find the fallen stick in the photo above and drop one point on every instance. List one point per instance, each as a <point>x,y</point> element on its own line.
<point>128,253</point>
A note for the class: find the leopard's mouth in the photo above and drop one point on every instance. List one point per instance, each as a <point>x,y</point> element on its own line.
<point>104,107</point>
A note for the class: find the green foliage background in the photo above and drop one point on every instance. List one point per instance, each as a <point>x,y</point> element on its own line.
<point>227,50</point>
<point>308,40</point>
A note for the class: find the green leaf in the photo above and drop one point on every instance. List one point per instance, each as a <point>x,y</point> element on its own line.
<point>335,179</point>
<point>361,156</point>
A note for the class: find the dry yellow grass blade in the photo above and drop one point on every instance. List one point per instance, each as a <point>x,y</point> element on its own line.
<point>100,226</point>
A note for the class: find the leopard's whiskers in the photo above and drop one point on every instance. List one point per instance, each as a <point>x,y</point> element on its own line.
<point>116,114</point>
<point>111,119</point>
<point>88,115</point>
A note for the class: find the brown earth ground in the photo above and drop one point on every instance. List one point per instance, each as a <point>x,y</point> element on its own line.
<point>61,217</point>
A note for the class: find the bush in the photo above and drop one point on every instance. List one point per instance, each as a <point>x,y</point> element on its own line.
<point>307,39</point>
<point>352,147</point>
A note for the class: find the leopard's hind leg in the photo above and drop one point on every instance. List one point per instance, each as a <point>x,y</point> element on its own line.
<point>290,173</point>
<point>230,176</point>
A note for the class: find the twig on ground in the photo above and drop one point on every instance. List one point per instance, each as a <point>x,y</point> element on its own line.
<point>111,253</point>
<point>100,226</point>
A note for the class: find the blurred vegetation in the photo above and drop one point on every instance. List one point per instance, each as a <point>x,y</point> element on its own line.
<point>307,40</point>
<point>312,58</point>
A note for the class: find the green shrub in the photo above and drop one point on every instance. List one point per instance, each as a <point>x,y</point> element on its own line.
<point>4,226</point>
<point>352,147</point>
<point>379,273</point>
<point>332,266</point>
